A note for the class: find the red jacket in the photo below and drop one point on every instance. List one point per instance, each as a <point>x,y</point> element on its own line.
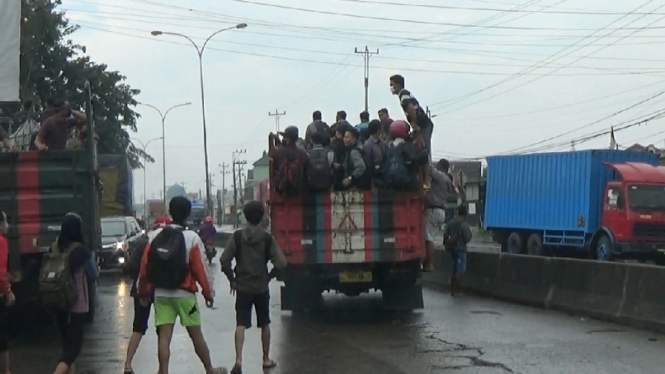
<point>5,286</point>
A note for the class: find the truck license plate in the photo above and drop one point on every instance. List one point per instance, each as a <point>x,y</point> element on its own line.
<point>355,277</point>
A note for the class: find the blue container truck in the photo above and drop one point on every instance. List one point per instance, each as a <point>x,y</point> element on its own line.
<point>606,203</point>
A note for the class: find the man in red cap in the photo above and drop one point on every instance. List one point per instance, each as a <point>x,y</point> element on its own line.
<point>141,313</point>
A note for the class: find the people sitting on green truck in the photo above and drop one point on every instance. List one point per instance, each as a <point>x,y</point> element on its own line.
<point>403,158</point>
<point>55,131</point>
<point>353,164</point>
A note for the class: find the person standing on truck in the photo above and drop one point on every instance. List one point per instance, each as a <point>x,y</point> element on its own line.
<point>455,239</point>
<point>252,248</point>
<point>375,152</point>
<point>363,128</point>
<point>403,158</point>
<point>56,130</point>
<point>83,270</point>
<point>353,164</point>
<point>420,122</point>
<point>171,267</point>
<point>386,121</point>
<point>320,165</point>
<point>141,312</point>
<point>290,162</point>
<point>435,207</point>
<point>6,290</point>
<point>317,126</point>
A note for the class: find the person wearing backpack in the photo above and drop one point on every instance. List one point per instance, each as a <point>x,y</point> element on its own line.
<point>64,277</point>
<point>252,248</point>
<point>317,126</point>
<point>141,312</point>
<point>375,150</point>
<point>403,158</point>
<point>7,295</point>
<point>171,267</point>
<point>289,162</point>
<point>319,166</point>
<point>455,239</point>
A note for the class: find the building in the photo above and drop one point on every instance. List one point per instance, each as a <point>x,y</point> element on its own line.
<point>649,148</point>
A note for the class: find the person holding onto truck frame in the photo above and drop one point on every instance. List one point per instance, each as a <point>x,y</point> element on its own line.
<point>55,131</point>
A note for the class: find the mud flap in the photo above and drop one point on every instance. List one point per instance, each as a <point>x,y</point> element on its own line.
<point>403,297</point>
<point>300,298</point>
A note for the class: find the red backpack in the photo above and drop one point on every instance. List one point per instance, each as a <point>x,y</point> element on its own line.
<point>289,179</point>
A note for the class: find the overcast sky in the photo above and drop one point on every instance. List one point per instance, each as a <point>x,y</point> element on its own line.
<point>500,76</point>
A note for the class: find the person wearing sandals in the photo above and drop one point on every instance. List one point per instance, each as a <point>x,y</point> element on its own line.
<point>141,313</point>
<point>252,248</point>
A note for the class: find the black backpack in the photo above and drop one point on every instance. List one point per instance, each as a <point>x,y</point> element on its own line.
<point>451,240</point>
<point>395,172</point>
<point>167,259</point>
<point>318,170</point>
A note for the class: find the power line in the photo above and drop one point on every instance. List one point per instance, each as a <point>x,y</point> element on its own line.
<point>277,116</point>
<point>366,56</point>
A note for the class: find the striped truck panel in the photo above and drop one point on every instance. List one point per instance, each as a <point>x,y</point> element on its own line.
<point>349,226</point>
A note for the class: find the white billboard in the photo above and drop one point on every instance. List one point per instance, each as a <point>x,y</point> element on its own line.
<point>10,41</point>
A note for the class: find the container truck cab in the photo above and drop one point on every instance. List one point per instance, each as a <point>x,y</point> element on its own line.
<point>606,204</point>
<point>633,218</point>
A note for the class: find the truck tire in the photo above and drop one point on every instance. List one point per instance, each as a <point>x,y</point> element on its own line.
<point>534,246</point>
<point>514,244</point>
<point>603,250</point>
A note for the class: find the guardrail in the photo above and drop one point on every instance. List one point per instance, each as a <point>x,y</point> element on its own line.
<point>630,294</point>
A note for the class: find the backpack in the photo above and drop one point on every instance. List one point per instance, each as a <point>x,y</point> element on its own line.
<point>167,258</point>
<point>365,181</point>
<point>395,172</point>
<point>237,238</point>
<point>57,285</point>
<point>289,175</point>
<point>318,170</point>
<point>451,240</point>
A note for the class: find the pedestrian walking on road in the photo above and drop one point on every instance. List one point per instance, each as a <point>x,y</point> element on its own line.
<point>7,294</point>
<point>252,248</point>
<point>455,239</point>
<point>83,270</point>
<point>171,267</point>
<point>141,312</point>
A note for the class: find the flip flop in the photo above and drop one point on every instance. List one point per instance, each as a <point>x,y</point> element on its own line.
<point>271,365</point>
<point>237,369</point>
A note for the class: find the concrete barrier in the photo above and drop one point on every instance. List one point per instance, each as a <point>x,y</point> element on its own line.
<point>631,294</point>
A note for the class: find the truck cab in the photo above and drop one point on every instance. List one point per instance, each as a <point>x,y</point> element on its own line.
<point>633,216</point>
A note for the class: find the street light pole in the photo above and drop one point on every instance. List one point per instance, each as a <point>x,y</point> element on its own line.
<point>145,164</point>
<point>200,51</point>
<point>163,117</point>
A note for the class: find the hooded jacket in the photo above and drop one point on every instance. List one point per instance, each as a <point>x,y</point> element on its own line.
<point>251,271</point>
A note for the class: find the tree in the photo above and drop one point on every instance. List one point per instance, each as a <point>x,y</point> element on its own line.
<point>52,66</point>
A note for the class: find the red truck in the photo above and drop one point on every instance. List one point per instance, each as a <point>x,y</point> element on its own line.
<point>350,242</point>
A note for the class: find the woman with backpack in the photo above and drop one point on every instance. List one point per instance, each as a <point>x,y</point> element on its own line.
<point>83,269</point>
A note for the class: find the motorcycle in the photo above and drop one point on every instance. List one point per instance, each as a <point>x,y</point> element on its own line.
<point>211,251</point>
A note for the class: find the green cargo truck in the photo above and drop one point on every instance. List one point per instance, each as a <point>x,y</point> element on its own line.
<point>36,190</point>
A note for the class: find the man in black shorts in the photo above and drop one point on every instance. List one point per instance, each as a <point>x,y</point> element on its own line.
<point>252,248</point>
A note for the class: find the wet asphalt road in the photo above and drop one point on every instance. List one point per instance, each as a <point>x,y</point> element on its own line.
<point>463,335</point>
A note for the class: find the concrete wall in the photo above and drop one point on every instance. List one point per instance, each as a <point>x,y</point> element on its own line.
<point>631,294</point>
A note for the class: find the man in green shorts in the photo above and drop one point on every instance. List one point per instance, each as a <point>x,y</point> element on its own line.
<point>171,267</point>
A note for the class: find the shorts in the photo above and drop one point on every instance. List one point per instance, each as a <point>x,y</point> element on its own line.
<point>434,219</point>
<point>141,316</point>
<point>244,303</point>
<point>167,309</point>
<point>458,260</point>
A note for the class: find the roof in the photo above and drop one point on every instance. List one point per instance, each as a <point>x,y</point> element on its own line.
<point>471,169</point>
<point>639,172</point>
<point>263,161</point>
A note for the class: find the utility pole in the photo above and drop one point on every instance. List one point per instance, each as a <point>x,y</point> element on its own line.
<point>241,166</point>
<point>366,55</point>
<point>277,116</point>
<point>234,159</point>
<point>224,172</point>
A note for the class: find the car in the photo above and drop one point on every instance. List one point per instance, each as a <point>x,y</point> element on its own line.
<point>121,236</point>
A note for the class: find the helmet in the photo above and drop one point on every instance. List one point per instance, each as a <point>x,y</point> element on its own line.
<point>208,219</point>
<point>162,221</point>
<point>399,129</point>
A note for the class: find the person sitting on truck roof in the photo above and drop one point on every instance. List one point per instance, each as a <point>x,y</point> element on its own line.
<point>317,126</point>
<point>353,164</point>
<point>290,162</point>
<point>252,248</point>
<point>55,131</point>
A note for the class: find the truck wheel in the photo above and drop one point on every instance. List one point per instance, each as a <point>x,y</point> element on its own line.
<point>534,246</point>
<point>514,244</point>
<point>604,249</point>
